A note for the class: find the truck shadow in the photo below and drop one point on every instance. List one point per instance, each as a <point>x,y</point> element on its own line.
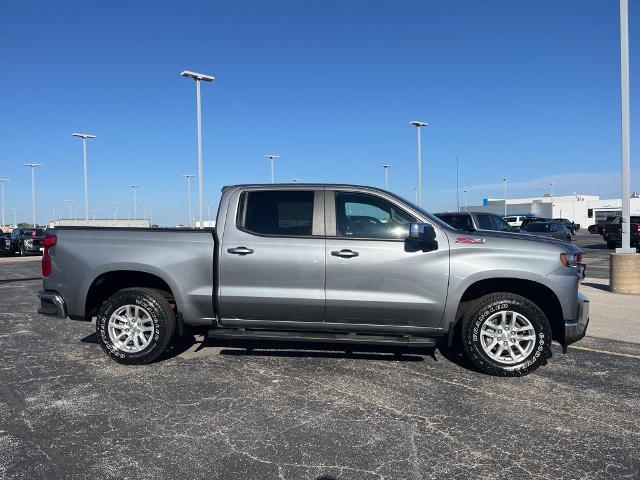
<point>267,348</point>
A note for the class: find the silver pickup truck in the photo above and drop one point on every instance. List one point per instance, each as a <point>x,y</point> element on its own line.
<point>321,263</point>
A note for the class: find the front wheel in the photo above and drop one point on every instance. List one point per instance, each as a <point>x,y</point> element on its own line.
<point>22,251</point>
<point>505,334</point>
<point>135,325</point>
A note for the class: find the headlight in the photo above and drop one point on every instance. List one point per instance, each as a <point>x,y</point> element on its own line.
<point>571,259</point>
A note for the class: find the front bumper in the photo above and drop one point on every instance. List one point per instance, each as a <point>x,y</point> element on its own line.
<point>575,330</point>
<point>51,304</point>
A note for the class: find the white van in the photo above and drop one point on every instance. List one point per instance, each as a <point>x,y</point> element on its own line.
<point>515,221</point>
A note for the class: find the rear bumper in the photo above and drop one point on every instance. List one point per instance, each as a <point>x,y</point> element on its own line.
<point>575,330</point>
<point>52,304</point>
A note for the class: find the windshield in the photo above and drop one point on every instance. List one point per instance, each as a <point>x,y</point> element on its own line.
<point>537,227</point>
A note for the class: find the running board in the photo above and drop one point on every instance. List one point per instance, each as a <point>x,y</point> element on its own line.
<point>320,337</point>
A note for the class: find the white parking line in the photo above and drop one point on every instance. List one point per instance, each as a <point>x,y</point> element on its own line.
<point>606,352</point>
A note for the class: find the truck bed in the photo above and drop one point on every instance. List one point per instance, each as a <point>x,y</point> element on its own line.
<point>180,261</point>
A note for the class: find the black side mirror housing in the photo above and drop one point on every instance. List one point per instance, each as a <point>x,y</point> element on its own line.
<point>422,236</point>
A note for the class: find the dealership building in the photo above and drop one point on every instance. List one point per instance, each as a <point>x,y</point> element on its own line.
<point>583,209</point>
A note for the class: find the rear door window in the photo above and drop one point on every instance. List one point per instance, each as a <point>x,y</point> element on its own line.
<point>280,213</point>
<point>500,225</point>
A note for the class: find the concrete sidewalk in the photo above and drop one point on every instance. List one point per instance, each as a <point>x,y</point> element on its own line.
<point>613,316</point>
<point>30,258</point>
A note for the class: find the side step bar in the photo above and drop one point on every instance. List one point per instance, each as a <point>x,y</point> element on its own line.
<point>319,337</point>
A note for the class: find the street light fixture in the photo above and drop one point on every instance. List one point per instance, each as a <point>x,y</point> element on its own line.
<point>84,137</point>
<point>418,124</point>
<point>505,196</point>
<point>69,202</point>
<point>33,167</point>
<point>199,77</point>
<point>189,177</point>
<point>386,176</point>
<point>2,182</point>
<point>135,201</point>
<point>272,158</point>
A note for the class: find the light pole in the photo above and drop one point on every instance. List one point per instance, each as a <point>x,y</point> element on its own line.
<point>135,201</point>
<point>115,215</point>
<point>2,182</point>
<point>33,167</point>
<point>69,202</point>
<point>466,205</point>
<point>199,77</point>
<point>418,124</point>
<point>626,146</point>
<point>551,185</point>
<point>272,158</point>
<point>189,177</point>
<point>15,215</point>
<point>386,176</point>
<point>84,137</point>
<point>505,196</point>
<point>53,212</point>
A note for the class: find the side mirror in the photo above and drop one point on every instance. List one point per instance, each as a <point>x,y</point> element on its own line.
<point>422,236</point>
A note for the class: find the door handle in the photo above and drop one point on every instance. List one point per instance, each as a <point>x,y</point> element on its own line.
<point>344,253</point>
<point>240,251</point>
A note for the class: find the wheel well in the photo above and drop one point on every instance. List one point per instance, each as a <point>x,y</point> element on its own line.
<point>538,293</point>
<point>109,283</point>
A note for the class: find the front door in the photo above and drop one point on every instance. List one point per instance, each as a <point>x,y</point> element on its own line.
<point>371,279</point>
<point>271,261</point>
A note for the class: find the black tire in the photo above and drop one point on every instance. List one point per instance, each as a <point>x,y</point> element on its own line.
<point>162,317</point>
<point>482,309</point>
<point>21,250</point>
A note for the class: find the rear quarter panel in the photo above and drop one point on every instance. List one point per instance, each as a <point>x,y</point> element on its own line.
<point>184,260</point>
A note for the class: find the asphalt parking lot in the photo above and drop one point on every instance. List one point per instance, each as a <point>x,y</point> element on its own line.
<point>596,253</point>
<point>219,412</point>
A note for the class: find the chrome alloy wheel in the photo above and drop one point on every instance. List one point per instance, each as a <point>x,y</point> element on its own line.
<point>507,337</point>
<point>131,328</point>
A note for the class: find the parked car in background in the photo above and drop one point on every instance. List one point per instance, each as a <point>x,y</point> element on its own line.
<point>25,241</point>
<point>593,229</point>
<point>472,221</point>
<point>532,218</point>
<point>548,229</point>
<point>514,221</point>
<point>613,234</point>
<point>571,226</point>
<point>320,263</point>
<point>5,244</point>
<point>601,226</point>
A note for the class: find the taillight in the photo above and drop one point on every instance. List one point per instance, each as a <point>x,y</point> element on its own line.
<point>638,229</point>
<point>48,242</point>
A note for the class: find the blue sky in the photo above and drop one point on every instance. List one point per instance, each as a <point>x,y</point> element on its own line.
<point>526,90</point>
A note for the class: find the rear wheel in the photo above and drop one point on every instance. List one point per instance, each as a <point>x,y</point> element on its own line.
<point>506,335</point>
<point>135,325</point>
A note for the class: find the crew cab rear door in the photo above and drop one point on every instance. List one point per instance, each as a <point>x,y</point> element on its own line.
<point>271,260</point>
<point>371,277</point>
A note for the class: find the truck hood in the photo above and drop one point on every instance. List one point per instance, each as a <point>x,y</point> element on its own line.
<point>568,247</point>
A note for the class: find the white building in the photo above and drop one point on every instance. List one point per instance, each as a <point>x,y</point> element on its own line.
<point>583,209</point>
<point>100,222</point>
